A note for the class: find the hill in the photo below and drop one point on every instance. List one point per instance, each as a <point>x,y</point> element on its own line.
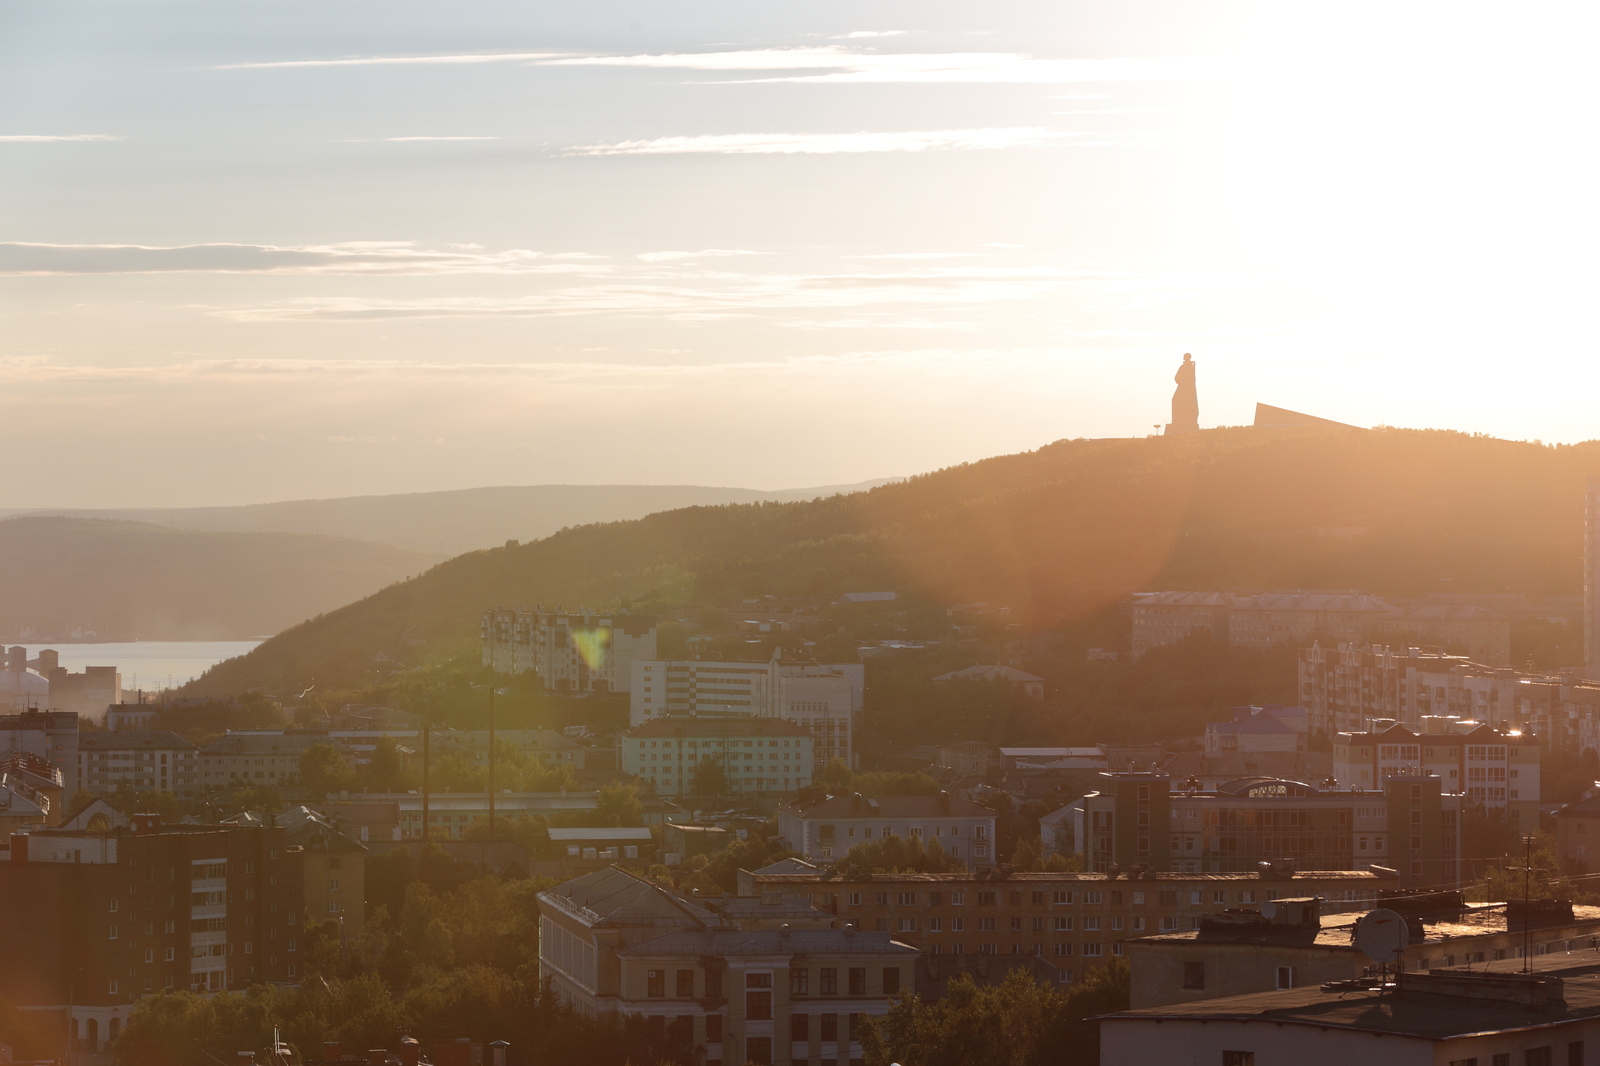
<point>1056,533</point>
<point>135,581</point>
<point>449,523</point>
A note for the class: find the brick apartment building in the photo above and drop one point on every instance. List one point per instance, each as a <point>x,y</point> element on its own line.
<point>97,920</point>
<point>1054,924</point>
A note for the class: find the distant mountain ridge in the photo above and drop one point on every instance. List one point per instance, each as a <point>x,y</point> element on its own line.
<point>1063,530</point>
<point>136,581</point>
<point>450,522</point>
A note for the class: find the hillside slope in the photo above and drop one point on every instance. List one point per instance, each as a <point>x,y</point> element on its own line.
<point>462,520</point>
<point>1059,531</point>
<point>134,581</point>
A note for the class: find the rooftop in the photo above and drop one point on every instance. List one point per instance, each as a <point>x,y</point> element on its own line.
<point>717,728</point>
<point>1338,930</point>
<point>771,942</point>
<point>858,806</point>
<point>138,739</point>
<point>1020,877</point>
<point>607,833</point>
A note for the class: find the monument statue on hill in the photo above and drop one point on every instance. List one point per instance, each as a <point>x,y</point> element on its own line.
<point>1185,402</point>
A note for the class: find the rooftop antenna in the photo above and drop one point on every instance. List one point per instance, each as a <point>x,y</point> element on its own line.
<point>1527,869</point>
<point>1382,936</point>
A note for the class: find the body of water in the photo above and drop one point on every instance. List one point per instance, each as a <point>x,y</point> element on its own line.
<point>150,664</point>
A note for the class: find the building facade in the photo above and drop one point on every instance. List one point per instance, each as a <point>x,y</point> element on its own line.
<point>115,916</point>
<point>739,992</point>
<point>1140,820</point>
<point>825,830</point>
<point>1493,769</point>
<point>142,760</point>
<point>1072,921</point>
<point>569,651</point>
<point>756,754</point>
<point>51,735</point>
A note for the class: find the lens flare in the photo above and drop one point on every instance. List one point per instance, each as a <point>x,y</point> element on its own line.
<point>592,645</point>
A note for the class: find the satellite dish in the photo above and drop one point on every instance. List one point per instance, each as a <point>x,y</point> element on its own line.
<point>1382,936</point>
<point>1269,910</point>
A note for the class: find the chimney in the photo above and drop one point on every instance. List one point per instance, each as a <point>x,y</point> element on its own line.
<point>457,1052</point>
<point>378,1056</point>
<point>410,1051</point>
<point>499,1053</point>
<point>332,1050</point>
<point>247,1058</point>
<point>19,847</point>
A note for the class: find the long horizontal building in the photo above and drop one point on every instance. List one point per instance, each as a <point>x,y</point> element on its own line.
<point>1408,824</point>
<point>755,754</point>
<point>572,652</point>
<point>1496,770</point>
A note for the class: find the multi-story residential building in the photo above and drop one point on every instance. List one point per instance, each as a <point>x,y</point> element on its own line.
<point>569,651</point>
<point>738,991</point>
<point>1591,577</point>
<point>1406,823</point>
<point>451,814</point>
<point>1343,686</point>
<point>268,758</point>
<point>143,760</point>
<point>113,916</point>
<point>824,698</point>
<point>51,735</point>
<point>39,784</point>
<point>1493,769</point>
<point>332,863</point>
<point>757,754</point>
<point>1292,617</point>
<point>1066,921</point>
<point>545,746</point>
<point>826,829</point>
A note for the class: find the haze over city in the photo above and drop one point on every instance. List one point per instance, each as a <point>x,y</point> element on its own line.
<point>265,251</point>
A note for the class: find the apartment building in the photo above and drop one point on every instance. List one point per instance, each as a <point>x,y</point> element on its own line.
<point>756,754</point>
<point>51,735</point>
<point>142,760</point>
<point>1493,769</point>
<point>738,991</point>
<point>824,698</point>
<point>1071,920</point>
<point>1406,823</point>
<point>826,828</point>
<point>1161,618</point>
<point>1344,685</point>
<point>569,651</point>
<point>269,758</point>
<point>111,917</point>
<point>448,815</point>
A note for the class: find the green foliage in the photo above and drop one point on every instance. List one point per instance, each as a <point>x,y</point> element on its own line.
<point>1504,878</point>
<point>709,779</point>
<point>901,855</point>
<point>1019,1022</point>
<point>1029,857</point>
<point>618,805</point>
<point>323,770</point>
<point>719,873</point>
<point>835,777</point>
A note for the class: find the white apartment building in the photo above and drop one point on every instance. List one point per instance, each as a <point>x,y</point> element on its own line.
<point>1495,769</point>
<point>823,698</point>
<point>143,760</point>
<point>757,754</point>
<point>569,651</point>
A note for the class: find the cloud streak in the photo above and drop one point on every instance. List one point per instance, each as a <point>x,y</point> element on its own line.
<point>833,143</point>
<point>397,61</point>
<point>35,138</point>
<point>357,257</point>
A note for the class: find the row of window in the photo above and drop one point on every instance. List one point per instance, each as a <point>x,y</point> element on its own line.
<point>760,984</point>
<point>1037,925</point>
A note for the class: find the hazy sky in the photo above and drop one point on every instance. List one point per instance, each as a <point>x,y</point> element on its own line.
<point>266,249</point>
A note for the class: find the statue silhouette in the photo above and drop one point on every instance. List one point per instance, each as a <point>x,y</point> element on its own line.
<point>1185,403</point>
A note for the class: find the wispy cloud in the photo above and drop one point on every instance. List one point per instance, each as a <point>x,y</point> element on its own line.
<point>390,140</point>
<point>945,286</point>
<point>396,61</point>
<point>25,138</point>
<point>826,63</point>
<point>667,257</point>
<point>356,257</point>
<point>868,33</point>
<point>831,143</point>
<point>836,64</point>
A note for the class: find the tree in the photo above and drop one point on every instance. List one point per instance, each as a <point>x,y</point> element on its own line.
<point>710,778</point>
<point>901,855</point>
<point>835,777</point>
<point>323,770</point>
<point>618,805</point>
<point>1029,857</point>
<point>383,769</point>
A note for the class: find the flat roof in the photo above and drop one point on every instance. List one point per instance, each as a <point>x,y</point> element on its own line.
<point>626,832</point>
<point>1337,930</point>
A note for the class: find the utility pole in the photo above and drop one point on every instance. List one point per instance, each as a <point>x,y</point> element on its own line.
<point>427,728</point>
<point>491,760</point>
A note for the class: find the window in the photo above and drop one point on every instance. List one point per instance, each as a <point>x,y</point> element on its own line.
<point>799,982</point>
<point>1194,975</point>
<point>958,925</point>
<point>1091,949</point>
<point>830,1027</point>
<point>986,899</point>
<point>1091,924</point>
<point>1061,897</point>
<point>1536,1056</point>
<point>1575,1053</point>
<point>829,980</point>
<point>891,980</point>
<point>1238,1058</point>
<point>758,1049</point>
<point>713,1028</point>
<point>906,899</point>
<point>799,1027</point>
<point>111,988</point>
<point>758,997</point>
<point>858,980</point>
<point>1063,925</point>
<point>656,983</point>
<point>685,985</point>
<point>1285,976</point>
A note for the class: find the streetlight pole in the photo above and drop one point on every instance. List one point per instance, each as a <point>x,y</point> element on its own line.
<point>491,760</point>
<point>427,728</point>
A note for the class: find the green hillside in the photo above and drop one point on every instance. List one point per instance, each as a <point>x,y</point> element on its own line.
<point>135,581</point>
<point>1056,533</point>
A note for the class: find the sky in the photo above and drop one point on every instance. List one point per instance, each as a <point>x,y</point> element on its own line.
<point>278,249</point>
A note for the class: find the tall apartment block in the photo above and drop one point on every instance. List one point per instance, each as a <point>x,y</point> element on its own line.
<point>580,651</point>
<point>1591,577</point>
